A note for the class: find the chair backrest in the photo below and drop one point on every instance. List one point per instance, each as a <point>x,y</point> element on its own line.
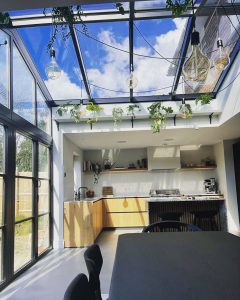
<point>170,226</point>
<point>79,289</point>
<point>94,262</point>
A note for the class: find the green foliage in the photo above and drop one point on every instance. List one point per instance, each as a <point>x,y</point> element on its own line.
<point>5,19</point>
<point>95,110</point>
<point>178,7</point>
<point>204,99</point>
<point>131,109</point>
<point>120,8</point>
<point>68,14</point>
<point>75,112</point>
<point>158,115</point>
<point>24,155</point>
<point>117,115</point>
<point>186,110</point>
<point>62,109</point>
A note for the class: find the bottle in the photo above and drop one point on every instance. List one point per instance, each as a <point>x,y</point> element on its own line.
<point>75,196</point>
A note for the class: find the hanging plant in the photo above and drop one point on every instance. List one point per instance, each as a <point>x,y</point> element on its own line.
<point>204,99</point>
<point>62,109</point>
<point>186,110</point>
<point>68,14</point>
<point>178,7</point>
<point>120,8</point>
<point>76,112</point>
<point>5,19</point>
<point>131,110</point>
<point>158,115</point>
<point>117,113</point>
<point>95,110</point>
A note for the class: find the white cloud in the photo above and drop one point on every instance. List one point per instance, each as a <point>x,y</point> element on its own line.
<point>151,73</point>
<point>63,88</point>
<point>113,69</point>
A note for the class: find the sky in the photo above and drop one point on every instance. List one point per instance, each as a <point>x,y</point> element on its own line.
<point>107,67</point>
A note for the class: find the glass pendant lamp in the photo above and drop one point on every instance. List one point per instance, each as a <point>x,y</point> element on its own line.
<point>222,60</point>
<point>132,81</point>
<point>52,70</point>
<point>197,65</point>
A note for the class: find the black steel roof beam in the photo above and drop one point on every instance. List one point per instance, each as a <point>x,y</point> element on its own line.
<point>183,54</point>
<point>136,99</point>
<point>80,61</point>
<point>114,15</point>
<point>131,66</point>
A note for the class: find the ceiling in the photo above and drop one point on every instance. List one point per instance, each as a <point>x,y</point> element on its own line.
<point>141,139</point>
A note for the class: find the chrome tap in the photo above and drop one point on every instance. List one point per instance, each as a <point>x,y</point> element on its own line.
<point>82,195</point>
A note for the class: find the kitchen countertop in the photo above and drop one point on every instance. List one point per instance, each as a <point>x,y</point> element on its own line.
<point>158,199</point>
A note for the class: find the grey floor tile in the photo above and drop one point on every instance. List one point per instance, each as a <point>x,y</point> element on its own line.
<point>49,278</point>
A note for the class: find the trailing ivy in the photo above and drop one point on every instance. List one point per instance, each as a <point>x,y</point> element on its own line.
<point>204,99</point>
<point>95,110</point>
<point>120,8</point>
<point>131,110</point>
<point>68,14</point>
<point>158,115</point>
<point>5,19</point>
<point>178,7</point>
<point>117,113</point>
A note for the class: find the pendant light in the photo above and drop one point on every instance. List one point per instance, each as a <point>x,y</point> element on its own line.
<point>82,110</point>
<point>197,65</point>
<point>52,70</point>
<point>132,81</point>
<point>222,59</point>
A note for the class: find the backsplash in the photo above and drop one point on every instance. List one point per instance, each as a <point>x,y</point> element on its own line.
<point>140,183</point>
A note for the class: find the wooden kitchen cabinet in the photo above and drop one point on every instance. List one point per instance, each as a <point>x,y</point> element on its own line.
<point>125,204</point>
<point>97,218</point>
<point>125,212</point>
<point>134,219</point>
<point>83,222</point>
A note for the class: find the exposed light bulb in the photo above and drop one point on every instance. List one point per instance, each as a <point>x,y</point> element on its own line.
<point>82,110</point>
<point>197,65</point>
<point>184,111</point>
<point>132,81</point>
<point>52,70</point>
<point>222,60</point>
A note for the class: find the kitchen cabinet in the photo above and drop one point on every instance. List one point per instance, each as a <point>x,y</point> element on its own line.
<point>125,212</point>
<point>97,218</point>
<point>83,222</point>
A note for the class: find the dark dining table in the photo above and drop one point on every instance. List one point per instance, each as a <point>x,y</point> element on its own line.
<point>176,266</point>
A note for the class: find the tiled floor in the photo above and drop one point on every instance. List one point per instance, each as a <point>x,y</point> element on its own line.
<point>49,278</point>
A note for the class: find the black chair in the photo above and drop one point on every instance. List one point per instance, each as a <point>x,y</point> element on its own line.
<point>94,262</point>
<point>79,289</point>
<point>166,216</point>
<point>206,220</point>
<point>170,226</point>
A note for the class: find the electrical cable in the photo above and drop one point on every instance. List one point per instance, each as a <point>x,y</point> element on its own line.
<point>231,82</point>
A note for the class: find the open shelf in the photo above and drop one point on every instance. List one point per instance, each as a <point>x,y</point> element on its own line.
<point>198,168</point>
<point>120,170</point>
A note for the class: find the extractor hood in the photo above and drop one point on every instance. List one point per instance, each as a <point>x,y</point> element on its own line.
<point>163,158</point>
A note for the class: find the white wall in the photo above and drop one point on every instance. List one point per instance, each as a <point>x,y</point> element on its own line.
<point>140,183</point>
<point>70,151</point>
<point>227,184</point>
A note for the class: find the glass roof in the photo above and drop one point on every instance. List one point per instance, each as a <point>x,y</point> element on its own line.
<point>157,44</point>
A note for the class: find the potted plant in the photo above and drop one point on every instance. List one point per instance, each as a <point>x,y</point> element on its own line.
<point>117,113</point>
<point>95,110</point>
<point>62,109</point>
<point>158,115</point>
<point>204,99</point>
<point>185,110</point>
